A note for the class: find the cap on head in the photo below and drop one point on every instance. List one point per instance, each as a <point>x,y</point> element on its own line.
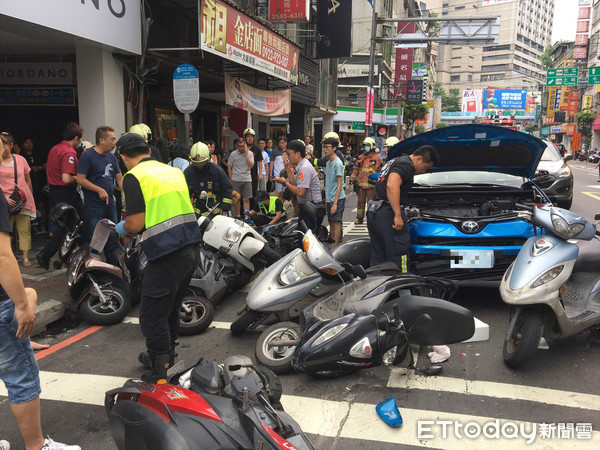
<point>129,142</point>
<point>199,153</point>
<point>143,130</point>
<point>262,195</point>
<point>249,131</point>
<point>391,141</point>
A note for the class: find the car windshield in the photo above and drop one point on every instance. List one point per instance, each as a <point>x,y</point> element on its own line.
<point>551,153</point>
<point>469,177</point>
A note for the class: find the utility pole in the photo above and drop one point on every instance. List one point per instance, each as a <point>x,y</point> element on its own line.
<point>370,90</point>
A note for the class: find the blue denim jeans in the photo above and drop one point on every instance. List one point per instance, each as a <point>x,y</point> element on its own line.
<point>18,368</point>
<point>93,213</point>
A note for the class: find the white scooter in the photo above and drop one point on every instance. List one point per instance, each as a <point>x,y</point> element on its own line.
<point>553,286</point>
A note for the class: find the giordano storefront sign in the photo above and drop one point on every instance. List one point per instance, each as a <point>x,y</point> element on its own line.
<point>114,23</point>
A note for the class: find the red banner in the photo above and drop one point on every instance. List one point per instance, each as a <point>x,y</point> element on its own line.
<point>289,10</point>
<point>576,142</point>
<point>404,59</point>
<point>369,107</point>
<point>229,33</point>
<point>571,128</point>
<point>573,104</point>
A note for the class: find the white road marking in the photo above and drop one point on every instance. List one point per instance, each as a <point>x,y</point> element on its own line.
<point>346,419</point>
<point>44,276</point>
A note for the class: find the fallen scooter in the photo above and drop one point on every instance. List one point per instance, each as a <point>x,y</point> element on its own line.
<point>354,341</point>
<point>64,216</point>
<point>233,405</point>
<point>553,286</point>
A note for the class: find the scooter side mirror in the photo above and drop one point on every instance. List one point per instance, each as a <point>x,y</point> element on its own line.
<point>568,158</point>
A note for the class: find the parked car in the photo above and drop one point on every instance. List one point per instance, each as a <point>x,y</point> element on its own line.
<point>554,176</point>
<point>464,219</point>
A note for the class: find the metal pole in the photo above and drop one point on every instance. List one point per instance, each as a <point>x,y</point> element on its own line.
<point>371,63</point>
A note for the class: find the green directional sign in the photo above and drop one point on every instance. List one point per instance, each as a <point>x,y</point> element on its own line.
<point>594,75</point>
<point>562,77</point>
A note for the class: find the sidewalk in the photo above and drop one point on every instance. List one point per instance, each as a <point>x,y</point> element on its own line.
<point>51,286</point>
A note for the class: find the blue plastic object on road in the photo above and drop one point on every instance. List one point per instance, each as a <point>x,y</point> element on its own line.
<point>120,228</point>
<point>389,413</point>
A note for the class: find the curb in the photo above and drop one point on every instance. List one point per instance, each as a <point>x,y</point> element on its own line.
<point>47,312</point>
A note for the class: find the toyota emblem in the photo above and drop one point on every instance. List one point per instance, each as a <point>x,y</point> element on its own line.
<point>470,226</point>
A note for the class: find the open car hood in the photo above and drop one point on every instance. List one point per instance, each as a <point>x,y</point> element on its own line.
<point>478,147</point>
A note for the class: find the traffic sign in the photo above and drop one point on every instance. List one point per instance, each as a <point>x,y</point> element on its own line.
<point>186,88</point>
<point>562,77</point>
<point>594,75</point>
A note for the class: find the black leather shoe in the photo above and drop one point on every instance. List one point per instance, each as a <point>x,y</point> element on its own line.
<point>42,261</point>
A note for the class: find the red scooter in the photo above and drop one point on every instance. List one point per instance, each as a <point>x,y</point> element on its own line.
<point>210,406</point>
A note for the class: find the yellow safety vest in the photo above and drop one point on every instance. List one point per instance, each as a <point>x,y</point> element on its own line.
<point>272,206</point>
<point>169,217</point>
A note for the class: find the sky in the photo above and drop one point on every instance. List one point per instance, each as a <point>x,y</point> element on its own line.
<point>564,28</point>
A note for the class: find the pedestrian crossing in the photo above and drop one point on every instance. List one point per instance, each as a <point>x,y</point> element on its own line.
<point>354,230</point>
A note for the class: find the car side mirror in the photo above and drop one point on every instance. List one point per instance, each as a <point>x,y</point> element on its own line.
<point>568,158</point>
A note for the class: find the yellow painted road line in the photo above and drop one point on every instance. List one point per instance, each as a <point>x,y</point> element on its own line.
<point>592,194</point>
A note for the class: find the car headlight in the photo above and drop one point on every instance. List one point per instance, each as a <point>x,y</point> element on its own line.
<point>564,229</point>
<point>564,172</point>
<point>290,275</point>
<point>329,334</point>
<point>232,235</point>
<point>547,276</point>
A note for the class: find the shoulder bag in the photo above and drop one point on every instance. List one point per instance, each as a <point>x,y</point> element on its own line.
<point>17,196</point>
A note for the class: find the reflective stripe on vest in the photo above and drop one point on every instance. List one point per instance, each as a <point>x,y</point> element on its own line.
<point>169,216</point>
<point>272,206</point>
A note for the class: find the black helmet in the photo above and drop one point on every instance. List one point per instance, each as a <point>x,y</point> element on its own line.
<point>64,216</point>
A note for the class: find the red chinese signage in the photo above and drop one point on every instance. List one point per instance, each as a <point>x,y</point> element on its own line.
<point>571,128</point>
<point>404,59</point>
<point>229,33</point>
<point>576,142</point>
<point>573,104</point>
<point>289,10</point>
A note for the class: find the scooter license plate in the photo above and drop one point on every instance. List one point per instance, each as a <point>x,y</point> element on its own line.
<point>471,259</point>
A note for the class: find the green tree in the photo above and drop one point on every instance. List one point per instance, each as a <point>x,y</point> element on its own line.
<point>419,129</point>
<point>585,120</point>
<point>438,90</point>
<point>413,113</point>
<point>546,57</point>
<point>452,101</point>
<point>530,128</point>
<point>441,125</point>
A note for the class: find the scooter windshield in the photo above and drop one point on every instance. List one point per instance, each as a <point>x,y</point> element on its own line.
<point>318,256</point>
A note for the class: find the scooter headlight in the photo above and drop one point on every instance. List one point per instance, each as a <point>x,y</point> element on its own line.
<point>329,334</point>
<point>232,235</point>
<point>290,275</point>
<point>564,229</point>
<point>547,276</point>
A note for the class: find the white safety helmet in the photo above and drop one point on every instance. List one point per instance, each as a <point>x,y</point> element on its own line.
<point>368,144</point>
<point>199,153</point>
<point>391,141</point>
<point>249,131</point>
<point>143,130</point>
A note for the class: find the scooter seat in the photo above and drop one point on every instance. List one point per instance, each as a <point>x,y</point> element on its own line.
<point>588,259</point>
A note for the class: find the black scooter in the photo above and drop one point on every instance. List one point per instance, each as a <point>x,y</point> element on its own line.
<point>234,405</point>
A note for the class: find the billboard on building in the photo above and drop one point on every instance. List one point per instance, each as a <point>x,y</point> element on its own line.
<point>229,33</point>
<point>414,92</point>
<point>112,23</point>
<point>404,60</point>
<point>504,98</point>
<point>258,101</point>
<point>289,10</point>
<point>494,2</point>
<point>471,101</point>
<point>333,24</point>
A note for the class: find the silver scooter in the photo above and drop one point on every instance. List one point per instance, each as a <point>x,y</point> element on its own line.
<point>553,286</point>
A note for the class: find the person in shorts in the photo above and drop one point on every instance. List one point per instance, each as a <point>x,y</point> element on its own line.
<point>334,191</point>
<point>238,166</point>
<point>18,368</point>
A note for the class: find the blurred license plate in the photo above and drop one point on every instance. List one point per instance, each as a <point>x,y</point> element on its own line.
<point>471,259</point>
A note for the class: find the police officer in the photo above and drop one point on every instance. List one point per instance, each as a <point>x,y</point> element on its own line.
<point>385,216</point>
<point>270,209</point>
<point>368,163</point>
<point>158,203</point>
<point>203,175</point>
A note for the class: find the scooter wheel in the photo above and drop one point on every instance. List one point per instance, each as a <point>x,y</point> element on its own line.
<point>276,390</point>
<point>196,315</point>
<point>525,339</point>
<point>243,322</point>
<point>278,359</point>
<point>94,311</point>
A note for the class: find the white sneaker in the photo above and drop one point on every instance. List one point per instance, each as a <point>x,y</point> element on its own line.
<point>4,445</point>
<point>53,445</point>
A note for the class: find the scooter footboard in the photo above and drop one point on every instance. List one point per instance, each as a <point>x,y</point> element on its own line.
<point>451,323</point>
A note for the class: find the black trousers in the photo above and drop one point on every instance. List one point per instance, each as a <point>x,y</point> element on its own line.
<point>164,285</point>
<point>59,194</point>
<point>388,244</point>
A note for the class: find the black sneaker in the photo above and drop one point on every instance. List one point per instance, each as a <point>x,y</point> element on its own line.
<point>43,262</point>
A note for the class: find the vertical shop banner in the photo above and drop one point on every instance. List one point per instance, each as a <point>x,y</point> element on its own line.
<point>471,101</point>
<point>551,100</point>
<point>404,60</point>
<point>229,33</point>
<point>573,104</point>
<point>289,10</point>
<point>334,24</point>
<point>369,106</point>
<point>414,92</point>
<point>576,143</point>
<point>588,102</point>
<point>557,99</point>
<point>565,97</point>
<point>258,101</point>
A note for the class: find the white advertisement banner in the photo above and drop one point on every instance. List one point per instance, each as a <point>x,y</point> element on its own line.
<point>471,101</point>
<point>355,70</point>
<point>114,23</point>
<point>36,73</point>
<point>493,2</point>
<point>258,101</point>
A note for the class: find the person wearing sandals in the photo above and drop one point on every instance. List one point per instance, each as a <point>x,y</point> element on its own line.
<point>23,181</point>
